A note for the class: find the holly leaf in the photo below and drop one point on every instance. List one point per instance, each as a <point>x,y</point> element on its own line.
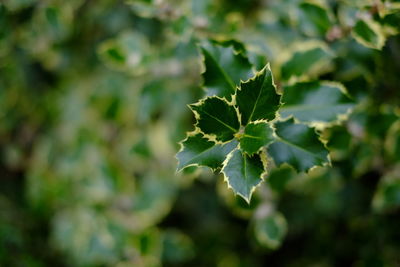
<point>237,45</point>
<point>315,18</point>
<point>310,60</point>
<point>216,117</point>
<point>270,230</point>
<point>224,69</point>
<point>387,195</point>
<point>278,178</point>
<point>129,51</point>
<point>369,34</point>
<point>243,172</point>
<point>199,151</point>
<point>256,136</point>
<point>297,145</point>
<point>317,101</point>
<point>257,98</point>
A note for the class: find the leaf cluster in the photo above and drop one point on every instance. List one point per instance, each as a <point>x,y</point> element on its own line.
<point>244,122</point>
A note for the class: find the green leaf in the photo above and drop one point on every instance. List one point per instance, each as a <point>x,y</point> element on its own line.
<point>315,101</point>
<point>151,101</point>
<point>128,51</point>
<point>216,117</point>
<point>197,150</point>
<point>392,141</point>
<point>297,145</point>
<point>369,34</point>
<point>360,3</point>
<point>387,195</point>
<point>224,69</point>
<point>316,17</point>
<point>243,173</point>
<point>237,45</point>
<point>142,148</point>
<point>270,230</point>
<point>389,23</point>
<point>257,98</point>
<point>177,247</point>
<point>144,8</point>
<point>279,178</point>
<point>255,136</point>
<point>310,60</point>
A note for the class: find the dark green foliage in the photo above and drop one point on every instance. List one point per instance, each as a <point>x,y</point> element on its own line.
<point>256,136</point>
<point>243,172</point>
<point>315,101</point>
<point>257,98</point>
<point>216,117</point>
<point>93,98</point>
<point>297,145</point>
<point>224,69</point>
<point>256,102</point>
<point>197,150</point>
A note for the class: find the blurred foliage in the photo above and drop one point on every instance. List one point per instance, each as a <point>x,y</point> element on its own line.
<point>93,101</point>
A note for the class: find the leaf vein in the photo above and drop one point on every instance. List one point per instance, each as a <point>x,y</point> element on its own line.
<point>224,74</point>
<point>299,147</point>
<point>256,103</point>
<point>223,123</point>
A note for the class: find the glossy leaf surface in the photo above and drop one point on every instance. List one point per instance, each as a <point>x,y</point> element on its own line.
<point>316,101</point>
<point>216,117</point>
<point>224,69</point>
<point>243,173</point>
<point>197,150</point>
<point>255,136</point>
<point>297,145</point>
<point>257,98</point>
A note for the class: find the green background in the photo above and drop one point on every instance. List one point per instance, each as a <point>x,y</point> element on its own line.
<point>93,99</point>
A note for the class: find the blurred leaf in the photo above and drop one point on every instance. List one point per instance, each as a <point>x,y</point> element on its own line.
<point>316,18</point>
<point>177,247</point>
<point>15,5</point>
<point>369,34</point>
<point>392,141</point>
<point>86,235</point>
<point>317,101</point>
<point>309,61</point>
<point>387,196</point>
<point>279,177</point>
<point>142,148</point>
<point>128,51</point>
<point>270,230</point>
<point>339,143</point>
<point>150,101</point>
<point>224,69</point>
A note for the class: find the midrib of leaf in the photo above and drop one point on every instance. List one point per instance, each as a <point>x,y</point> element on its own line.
<point>255,104</point>
<point>299,147</point>
<point>245,170</point>
<point>251,136</point>
<point>201,153</point>
<point>223,123</point>
<point>224,74</point>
